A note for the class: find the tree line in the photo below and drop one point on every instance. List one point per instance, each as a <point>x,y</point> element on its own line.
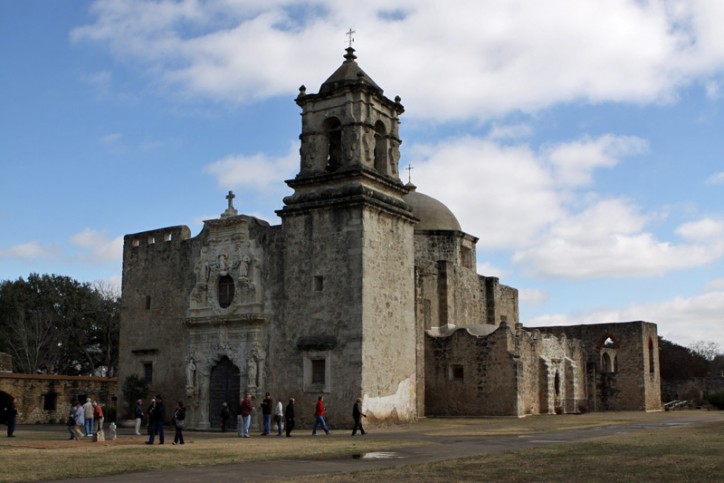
<point>52,324</point>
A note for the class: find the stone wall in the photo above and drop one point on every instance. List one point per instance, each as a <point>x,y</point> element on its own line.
<point>44,399</point>
<point>633,382</point>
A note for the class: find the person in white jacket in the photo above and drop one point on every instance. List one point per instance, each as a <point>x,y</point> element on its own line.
<point>279,417</point>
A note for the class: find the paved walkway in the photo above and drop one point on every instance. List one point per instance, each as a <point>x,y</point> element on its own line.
<point>442,447</point>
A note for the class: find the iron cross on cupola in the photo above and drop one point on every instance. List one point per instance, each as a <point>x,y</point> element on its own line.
<point>350,36</point>
<point>231,197</point>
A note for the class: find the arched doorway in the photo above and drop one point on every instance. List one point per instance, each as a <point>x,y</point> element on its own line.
<point>224,387</point>
<point>5,400</point>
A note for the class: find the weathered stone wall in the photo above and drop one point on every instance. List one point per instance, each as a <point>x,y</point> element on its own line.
<point>6,362</point>
<point>44,399</point>
<point>635,382</point>
<point>157,280</point>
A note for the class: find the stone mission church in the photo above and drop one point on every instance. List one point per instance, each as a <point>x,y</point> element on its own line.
<point>368,288</point>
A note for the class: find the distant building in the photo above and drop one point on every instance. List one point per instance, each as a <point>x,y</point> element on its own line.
<point>368,288</point>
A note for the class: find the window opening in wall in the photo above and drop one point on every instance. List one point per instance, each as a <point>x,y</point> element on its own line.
<point>557,384</point>
<point>615,363</point>
<point>148,372</point>
<point>609,342</point>
<point>148,302</point>
<point>651,356</point>
<point>151,240</point>
<point>166,237</point>
<point>226,291</point>
<point>318,283</point>
<point>380,147</point>
<point>457,372</point>
<point>318,371</point>
<point>135,243</point>
<point>49,401</point>
<point>333,128</point>
<point>606,363</point>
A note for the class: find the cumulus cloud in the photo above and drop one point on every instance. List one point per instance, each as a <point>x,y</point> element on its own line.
<point>30,250</point>
<point>528,54</point>
<point>683,320</point>
<point>702,230</point>
<point>96,247</point>
<point>716,178</point>
<point>254,172</point>
<point>532,297</point>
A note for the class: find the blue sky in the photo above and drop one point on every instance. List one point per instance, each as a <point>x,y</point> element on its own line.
<point>580,141</point>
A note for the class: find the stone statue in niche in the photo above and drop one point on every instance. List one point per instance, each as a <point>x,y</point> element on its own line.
<point>244,267</point>
<point>252,372</point>
<point>223,264</point>
<point>190,373</point>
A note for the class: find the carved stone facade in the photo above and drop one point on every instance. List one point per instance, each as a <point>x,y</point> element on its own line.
<point>366,289</point>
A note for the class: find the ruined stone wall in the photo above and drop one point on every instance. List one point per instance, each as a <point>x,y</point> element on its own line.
<point>634,382</point>
<point>471,375</point>
<point>45,399</point>
<point>157,279</point>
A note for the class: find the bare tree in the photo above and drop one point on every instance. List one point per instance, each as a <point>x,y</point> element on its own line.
<point>707,349</point>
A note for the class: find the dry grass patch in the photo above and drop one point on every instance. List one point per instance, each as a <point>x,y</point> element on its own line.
<point>692,454</point>
<point>68,459</point>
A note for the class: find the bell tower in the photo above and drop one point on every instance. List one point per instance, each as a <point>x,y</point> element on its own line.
<point>349,249</point>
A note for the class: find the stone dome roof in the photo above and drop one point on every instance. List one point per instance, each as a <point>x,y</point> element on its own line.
<point>433,214</point>
<point>348,74</point>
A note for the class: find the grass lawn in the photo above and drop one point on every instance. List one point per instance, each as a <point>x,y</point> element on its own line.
<point>686,453</point>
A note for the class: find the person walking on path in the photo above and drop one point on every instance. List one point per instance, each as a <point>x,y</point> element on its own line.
<point>319,410</point>
<point>79,421</point>
<point>266,411</point>
<point>138,413</point>
<point>357,415</point>
<point>245,409</point>
<point>11,414</point>
<point>289,417</point>
<point>179,420</point>
<point>88,417</point>
<point>279,417</point>
<point>224,416</point>
<point>157,417</point>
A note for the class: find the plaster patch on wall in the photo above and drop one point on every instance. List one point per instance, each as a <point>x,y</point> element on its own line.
<point>396,407</point>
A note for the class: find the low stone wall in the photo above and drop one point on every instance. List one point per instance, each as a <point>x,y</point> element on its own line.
<point>47,399</point>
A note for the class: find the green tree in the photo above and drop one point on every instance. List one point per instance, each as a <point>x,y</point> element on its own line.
<point>57,325</point>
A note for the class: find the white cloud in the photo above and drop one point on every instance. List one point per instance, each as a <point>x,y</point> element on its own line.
<point>507,56</point>
<point>255,172</point>
<point>500,132</point>
<point>716,178</point>
<point>96,247</point>
<point>702,230</point>
<point>574,162</point>
<point>489,270</point>
<point>682,320</point>
<point>532,297</point>
<point>716,285</point>
<point>30,250</point>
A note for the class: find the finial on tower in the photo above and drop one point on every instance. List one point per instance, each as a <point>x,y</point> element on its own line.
<point>350,36</point>
<point>349,56</point>
<point>230,210</point>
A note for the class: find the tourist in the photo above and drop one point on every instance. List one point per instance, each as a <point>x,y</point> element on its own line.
<point>179,419</point>
<point>246,408</point>
<point>319,417</point>
<point>88,417</point>
<point>224,416</point>
<point>157,415</point>
<point>138,412</point>
<point>11,416</point>
<point>279,417</point>
<point>289,417</point>
<point>266,411</point>
<point>98,417</point>
<point>79,421</point>
<point>149,411</point>
<point>357,416</point>
<point>71,422</point>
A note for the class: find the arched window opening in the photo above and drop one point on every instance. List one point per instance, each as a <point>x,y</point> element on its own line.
<point>651,356</point>
<point>606,365</point>
<point>615,363</point>
<point>609,342</point>
<point>333,130</point>
<point>380,147</point>
<point>226,291</point>
<point>557,384</point>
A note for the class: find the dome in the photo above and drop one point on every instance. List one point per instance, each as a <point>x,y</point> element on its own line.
<point>348,74</point>
<point>433,214</point>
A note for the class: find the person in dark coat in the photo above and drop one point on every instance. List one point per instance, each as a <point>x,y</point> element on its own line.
<point>289,417</point>
<point>157,416</point>
<point>266,411</point>
<point>225,415</point>
<point>357,415</point>
<point>179,420</point>
<point>11,415</point>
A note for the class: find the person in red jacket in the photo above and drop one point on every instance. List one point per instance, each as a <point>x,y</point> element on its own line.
<point>244,418</point>
<point>319,417</point>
